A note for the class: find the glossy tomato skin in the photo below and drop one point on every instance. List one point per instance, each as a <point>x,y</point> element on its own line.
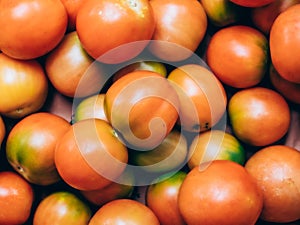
<point>284,43</point>
<point>2,130</point>
<point>124,211</point>
<point>162,198</point>
<point>105,25</point>
<point>72,7</point>
<point>186,28</point>
<point>31,28</point>
<point>16,199</point>
<point>62,208</point>
<point>252,3</point>
<point>238,55</point>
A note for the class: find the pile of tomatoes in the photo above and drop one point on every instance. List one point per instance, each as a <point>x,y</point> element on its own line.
<point>151,112</point>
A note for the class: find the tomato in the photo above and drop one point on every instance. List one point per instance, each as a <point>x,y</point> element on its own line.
<point>31,28</point>
<point>290,90</point>
<point>284,42</point>
<point>143,107</point>
<point>220,192</point>
<point>259,116</point>
<point>124,211</point>
<point>263,17</point>
<point>23,86</point>
<point>105,25</point>
<point>252,3</point>
<point>69,67</point>
<point>276,169</point>
<point>89,155</point>
<point>215,144</point>
<point>202,97</point>
<point>169,155</point>
<point>162,198</point>
<point>62,208</point>
<point>30,146</point>
<point>183,24</point>
<point>238,55</point>
<point>72,7</point>
<point>2,130</point>
<point>16,199</point>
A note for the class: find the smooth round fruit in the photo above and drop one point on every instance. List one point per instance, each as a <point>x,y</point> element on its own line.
<point>162,198</point>
<point>143,107</point>
<point>103,26</point>
<point>284,43</point>
<point>220,192</point>
<point>23,86</point>
<point>61,208</point>
<point>31,144</point>
<point>72,71</point>
<point>259,116</point>
<point>202,97</point>
<point>290,90</point>
<point>16,199</point>
<point>179,28</point>
<point>89,155</point>
<point>31,28</point>
<point>90,107</point>
<point>124,211</point>
<point>252,3</point>
<point>238,55</point>
<point>276,169</point>
<point>72,7</point>
<point>2,130</point>
<point>215,144</point>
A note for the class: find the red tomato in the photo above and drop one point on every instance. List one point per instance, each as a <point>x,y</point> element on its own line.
<point>2,130</point>
<point>105,25</point>
<point>31,28</point>
<point>181,23</point>
<point>16,199</point>
<point>284,43</point>
<point>62,208</point>
<point>72,7</point>
<point>252,3</point>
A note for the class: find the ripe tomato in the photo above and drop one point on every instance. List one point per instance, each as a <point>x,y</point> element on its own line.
<point>276,169</point>
<point>263,17</point>
<point>222,193</point>
<point>215,144</point>
<point>124,211</point>
<point>61,208</point>
<point>162,198</point>
<point>238,55</point>
<point>31,28</point>
<point>16,199</point>
<point>89,155</point>
<point>2,130</point>
<point>182,23</point>
<point>202,97</point>
<point>72,7</point>
<point>72,71</point>
<point>290,90</point>
<point>284,42</point>
<point>23,86</point>
<point>30,146</point>
<point>105,25</point>
<point>259,116</point>
<point>252,3</point>
<point>143,107</point>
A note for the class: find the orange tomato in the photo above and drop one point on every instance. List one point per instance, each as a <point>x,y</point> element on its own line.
<point>105,25</point>
<point>252,3</point>
<point>238,55</point>
<point>259,116</point>
<point>23,86</point>
<point>143,107</point>
<point>202,97</point>
<point>276,169</point>
<point>16,199</point>
<point>89,155</point>
<point>72,71</point>
<point>220,192</point>
<point>183,24</point>
<point>61,208</point>
<point>284,42</point>
<point>2,130</point>
<point>31,28</point>
<point>31,144</point>
<point>124,211</point>
<point>162,198</point>
<point>72,7</point>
